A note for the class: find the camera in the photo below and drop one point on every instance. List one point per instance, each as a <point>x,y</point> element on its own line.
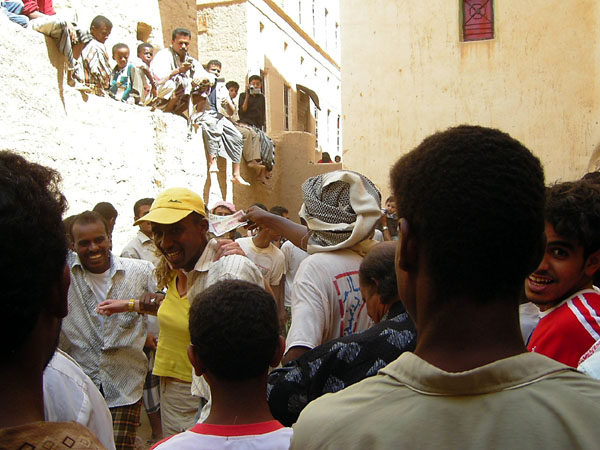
<point>255,91</point>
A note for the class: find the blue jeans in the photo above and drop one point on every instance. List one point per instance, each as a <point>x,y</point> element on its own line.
<point>13,11</point>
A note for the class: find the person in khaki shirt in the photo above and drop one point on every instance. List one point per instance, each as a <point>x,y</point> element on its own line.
<point>471,228</point>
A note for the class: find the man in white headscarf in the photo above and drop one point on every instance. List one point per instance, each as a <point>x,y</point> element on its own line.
<point>341,208</point>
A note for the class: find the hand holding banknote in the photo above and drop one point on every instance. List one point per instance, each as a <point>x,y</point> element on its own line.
<point>219,225</point>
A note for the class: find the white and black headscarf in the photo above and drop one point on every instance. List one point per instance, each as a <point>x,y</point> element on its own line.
<point>341,208</point>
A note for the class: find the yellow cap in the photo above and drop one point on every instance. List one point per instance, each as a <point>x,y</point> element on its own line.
<point>173,205</point>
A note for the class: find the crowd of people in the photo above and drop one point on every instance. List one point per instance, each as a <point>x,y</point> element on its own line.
<point>463,312</point>
<point>312,334</point>
<point>168,79</point>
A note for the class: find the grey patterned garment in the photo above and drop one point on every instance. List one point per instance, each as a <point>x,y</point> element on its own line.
<point>339,363</point>
<point>109,350</point>
<point>331,204</point>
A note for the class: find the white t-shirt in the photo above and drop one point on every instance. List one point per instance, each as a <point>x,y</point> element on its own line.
<point>265,436</point>
<point>71,396</point>
<point>293,257</point>
<point>326,299</point>
<point>270,260</point>
<point>99,283</point>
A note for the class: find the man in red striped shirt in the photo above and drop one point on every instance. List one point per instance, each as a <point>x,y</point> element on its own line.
<point>562,285</point>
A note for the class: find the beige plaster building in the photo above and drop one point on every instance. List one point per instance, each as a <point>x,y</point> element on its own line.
<point>408,71</point>
<point>295,46</point>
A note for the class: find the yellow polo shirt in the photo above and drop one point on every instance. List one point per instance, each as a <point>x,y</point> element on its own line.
<point>171,353</point>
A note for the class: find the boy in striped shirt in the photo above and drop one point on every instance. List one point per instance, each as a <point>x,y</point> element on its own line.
<point>562,285</point>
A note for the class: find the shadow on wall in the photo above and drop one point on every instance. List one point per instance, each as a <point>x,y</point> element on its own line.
<point>179,14</point>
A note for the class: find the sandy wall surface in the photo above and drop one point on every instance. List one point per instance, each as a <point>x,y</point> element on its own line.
<point>105,150</point>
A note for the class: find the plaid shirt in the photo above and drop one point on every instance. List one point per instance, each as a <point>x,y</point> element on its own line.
<point>109,349</point>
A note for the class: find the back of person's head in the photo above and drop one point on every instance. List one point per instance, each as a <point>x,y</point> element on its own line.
<point>34,247</point>
<point>87,217</point>
<point>98,21</point>
<point>474,199</point>
<point>573,210</point>
<point>234,330</point>
<point>325,157</point>
<point>180,32</point>
<point>107,210</point>
<point>279,210</point>
<point>232,84</point>
<point>141,202</point>
<point>260,205</point>
<point>593,177</point>
<point>377,270</point>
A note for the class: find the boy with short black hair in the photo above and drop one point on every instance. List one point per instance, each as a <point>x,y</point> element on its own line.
<point>96,66</point>
<point>235,338</point>
<point>122,76</point>
<point>562,285</point>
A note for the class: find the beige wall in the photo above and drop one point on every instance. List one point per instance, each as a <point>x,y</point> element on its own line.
<point>254,36</point>
<point>105,150</point>
<point>405,74</point>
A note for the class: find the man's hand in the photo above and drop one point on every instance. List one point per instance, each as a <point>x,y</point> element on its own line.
<point>256,217</point>
<point>226,247</point>
<point>151,341</point>
<point>185,67</point>
<point>150,301</point>
<point>110,307</point>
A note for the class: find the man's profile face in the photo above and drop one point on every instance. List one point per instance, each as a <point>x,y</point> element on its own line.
<point>181,44</point>
<point>560,274</point>
<point>146,54</point>
<point>92,245</point>
<point>181,242</point>
<point>145,227</point>
<point>101,32</point>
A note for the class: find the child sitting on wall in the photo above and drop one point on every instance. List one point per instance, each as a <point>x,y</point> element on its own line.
<point>96,66</point>
<point>122,76</point>
<point>235,338</point>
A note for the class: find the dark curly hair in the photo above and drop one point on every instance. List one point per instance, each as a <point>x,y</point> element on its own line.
<point>34,245</point>
<point>378,265</point>
<point>474,197</point>
<point>573,210</point>
<point>234,329</point>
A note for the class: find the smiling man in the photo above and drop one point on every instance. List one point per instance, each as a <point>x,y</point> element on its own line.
<point>562,286</point>
<point>179,227</point>
<point>108,349</point>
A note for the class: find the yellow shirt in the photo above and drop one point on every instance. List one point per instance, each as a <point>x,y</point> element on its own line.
<point>171,353</point>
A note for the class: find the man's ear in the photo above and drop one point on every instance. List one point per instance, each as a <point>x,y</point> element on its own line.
<point>199,368</point>
<point>58,304</point>
<point>592,264</point>
<point>406,253</point>
<point>278,352</point>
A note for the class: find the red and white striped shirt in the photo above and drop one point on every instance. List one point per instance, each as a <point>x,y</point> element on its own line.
<point>565,332</point>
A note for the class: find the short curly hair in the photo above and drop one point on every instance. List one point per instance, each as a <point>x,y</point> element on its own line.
<point>34,248</point>
<point>234,329</point>
<point>573,210</point>
<point>378,265</point>
<point>474,198</point>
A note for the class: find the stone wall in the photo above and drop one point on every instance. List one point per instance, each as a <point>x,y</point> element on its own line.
<point>105,150</point>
